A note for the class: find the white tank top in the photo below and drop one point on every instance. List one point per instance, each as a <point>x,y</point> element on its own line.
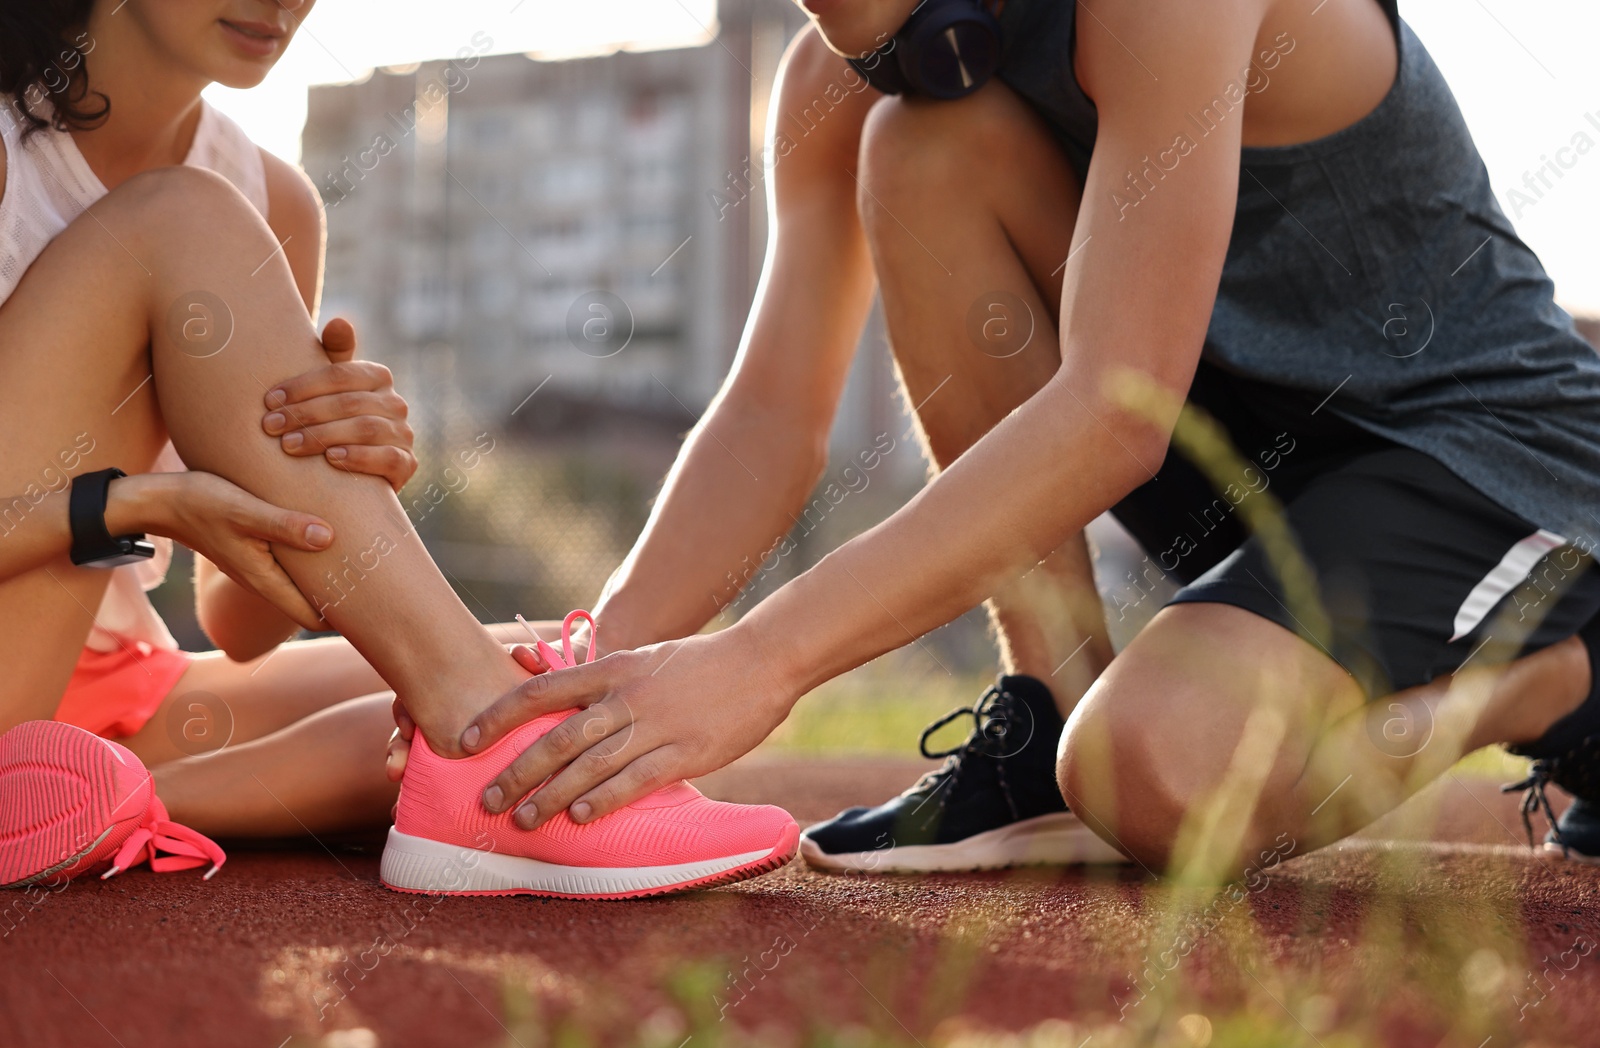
<point>48,185</point>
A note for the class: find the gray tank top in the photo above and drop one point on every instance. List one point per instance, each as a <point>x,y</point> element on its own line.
<point>1374,269</point>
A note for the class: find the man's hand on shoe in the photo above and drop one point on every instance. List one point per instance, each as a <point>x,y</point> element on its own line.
<point>509,633</point>
<point>650,717</point>
<point>347,412</point>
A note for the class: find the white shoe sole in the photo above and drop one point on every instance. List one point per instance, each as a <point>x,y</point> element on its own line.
<point>1553,850</point>
<point>417,864</point>
<point>1060,839</point>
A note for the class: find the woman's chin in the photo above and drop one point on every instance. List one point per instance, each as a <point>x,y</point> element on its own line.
<point>239,74</point>
<point>852,41</point>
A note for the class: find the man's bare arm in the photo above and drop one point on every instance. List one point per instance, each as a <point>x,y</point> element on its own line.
<point>1135,306</point>
<point>748,467</point>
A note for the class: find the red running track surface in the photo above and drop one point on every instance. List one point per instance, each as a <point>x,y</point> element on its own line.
<point>289,946</point>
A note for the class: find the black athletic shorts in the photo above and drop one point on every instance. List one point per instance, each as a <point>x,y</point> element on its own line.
<point>1397,568</point>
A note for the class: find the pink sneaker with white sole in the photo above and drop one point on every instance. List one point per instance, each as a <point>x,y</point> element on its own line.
<point>445,842</point>
<point>71,801</point>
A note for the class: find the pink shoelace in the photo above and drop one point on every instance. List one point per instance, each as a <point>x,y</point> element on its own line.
<point>183,848</point>
<point>564,659</point>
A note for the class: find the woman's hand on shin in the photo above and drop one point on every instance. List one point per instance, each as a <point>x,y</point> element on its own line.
<point>347,412</point>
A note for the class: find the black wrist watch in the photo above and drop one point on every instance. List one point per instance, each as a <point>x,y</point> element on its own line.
<point>92,545</point>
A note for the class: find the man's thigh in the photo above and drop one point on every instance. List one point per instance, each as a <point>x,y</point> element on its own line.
<point>1376,554</point>
<point>970,208</point>
<point>1401,572</point>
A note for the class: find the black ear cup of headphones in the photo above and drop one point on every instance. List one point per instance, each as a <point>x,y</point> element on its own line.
<point>881,69</point>
<point>947,49</point>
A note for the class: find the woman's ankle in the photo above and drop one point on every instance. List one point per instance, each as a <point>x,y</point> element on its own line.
<point>445,709</point>
<point>445,741</point>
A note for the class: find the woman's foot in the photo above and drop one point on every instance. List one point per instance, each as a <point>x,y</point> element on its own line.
<point>445,842</point>
<point>71,801</point>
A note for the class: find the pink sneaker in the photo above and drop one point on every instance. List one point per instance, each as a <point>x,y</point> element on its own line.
<point>444,842</point>
<point>70,801</point>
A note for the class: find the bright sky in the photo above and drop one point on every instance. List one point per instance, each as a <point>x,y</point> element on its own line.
<point>1523,70</point>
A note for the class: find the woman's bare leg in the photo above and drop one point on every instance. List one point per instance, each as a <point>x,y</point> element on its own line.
<point>285,744</point>
<point>321,774</point>
<point>220,703</point>
<point>102,308</point>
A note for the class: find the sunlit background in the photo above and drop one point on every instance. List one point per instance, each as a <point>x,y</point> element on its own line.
<point>1524,72</point>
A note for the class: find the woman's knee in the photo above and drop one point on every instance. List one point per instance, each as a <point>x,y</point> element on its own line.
<point>169,202</point>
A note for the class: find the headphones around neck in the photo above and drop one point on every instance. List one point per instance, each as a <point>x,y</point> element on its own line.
<point>947,49</point>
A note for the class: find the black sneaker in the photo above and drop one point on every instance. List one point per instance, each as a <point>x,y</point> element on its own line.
<point>993,804</point>
<point>1568,755</point>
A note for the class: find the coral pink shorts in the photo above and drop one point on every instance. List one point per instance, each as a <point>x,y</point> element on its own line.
<point>115,693</point>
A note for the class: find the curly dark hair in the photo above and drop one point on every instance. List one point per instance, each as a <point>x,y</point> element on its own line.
<point>42,48</point>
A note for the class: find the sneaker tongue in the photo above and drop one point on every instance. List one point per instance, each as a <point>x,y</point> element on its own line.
<point>671,796</point>
<point>1036,696</point>
<point>1020,710</point>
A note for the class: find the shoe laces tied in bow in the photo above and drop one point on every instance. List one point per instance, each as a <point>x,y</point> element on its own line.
<point>564,659</point>
<point>1534,798</point>
<point>168,846</point>
<point>993,721</point>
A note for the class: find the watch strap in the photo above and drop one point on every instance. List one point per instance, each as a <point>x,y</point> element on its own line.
<point>92,544</point>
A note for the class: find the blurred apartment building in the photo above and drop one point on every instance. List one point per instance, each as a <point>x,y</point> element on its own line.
<point>590,229</point>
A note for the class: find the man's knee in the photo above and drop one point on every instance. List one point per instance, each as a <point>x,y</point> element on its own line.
<point>914,148</point>
<point>1112,769</point>
<point>1180,753</point>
